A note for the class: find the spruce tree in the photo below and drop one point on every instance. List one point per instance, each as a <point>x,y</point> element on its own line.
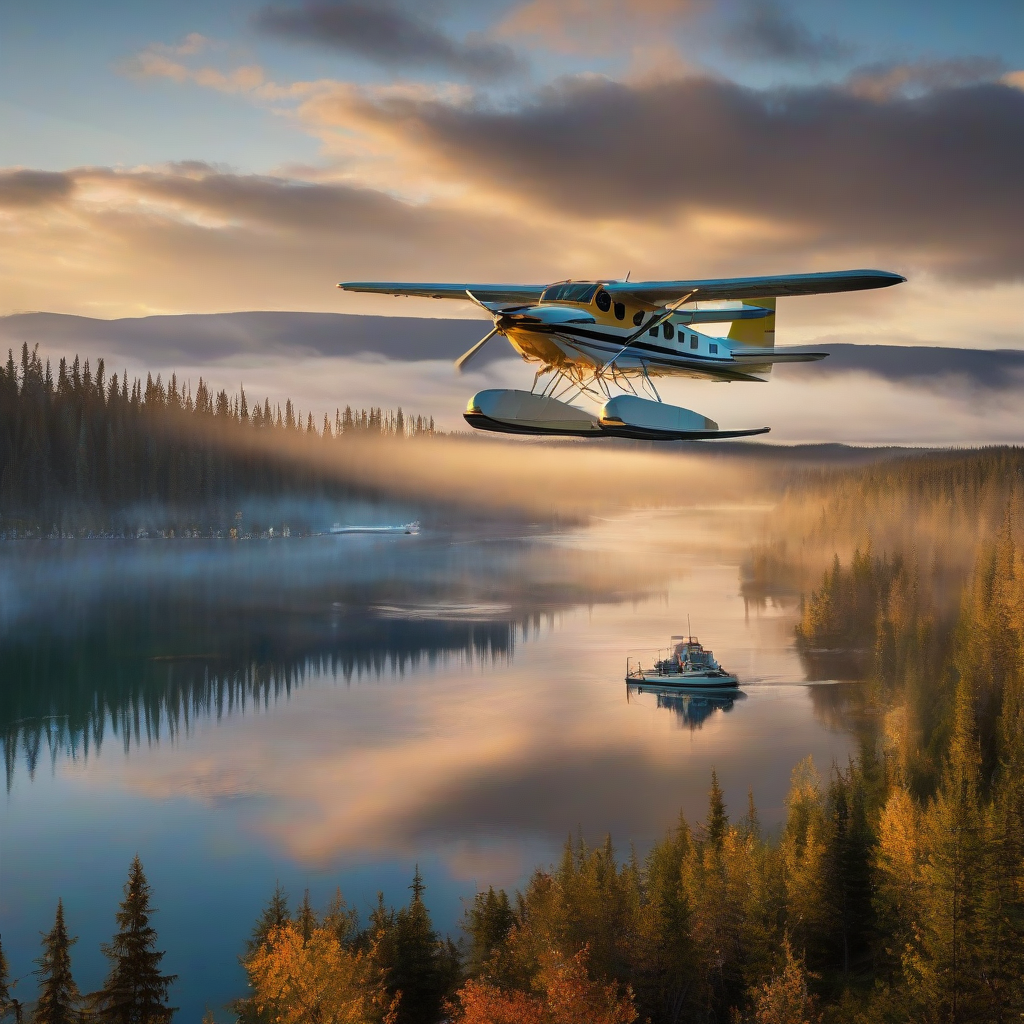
<point>945,963</point>
<point>59,998</point>
<point>488,922</point>
<point>305,919</point>
<point>275,915</point>
<point>718,821</point>
<point>424,969</point>
<point>135,991</point>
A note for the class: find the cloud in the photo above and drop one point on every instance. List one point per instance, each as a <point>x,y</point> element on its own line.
<point>883,82</point>
<point>193,238</point>
<point>592,26</point>
<point>768,31</point>
<point>20,188</point>
<point>153,63</point>
<point>389,36</point>
<point>821,168</point>
<point>1015,79</point>
<point>192,44</point>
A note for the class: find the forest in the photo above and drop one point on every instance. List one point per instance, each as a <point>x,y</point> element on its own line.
<point>76,448</point>
<point>893,891</point>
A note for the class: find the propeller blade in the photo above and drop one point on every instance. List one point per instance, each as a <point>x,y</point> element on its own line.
<point>474,299</point>
<point>466,356</point>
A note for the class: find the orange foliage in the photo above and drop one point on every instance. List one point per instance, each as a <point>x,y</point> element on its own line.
<point>570,997</point>
<point>313,982</point>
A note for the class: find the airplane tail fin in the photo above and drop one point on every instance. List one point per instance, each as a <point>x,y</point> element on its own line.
<point>755,333</point>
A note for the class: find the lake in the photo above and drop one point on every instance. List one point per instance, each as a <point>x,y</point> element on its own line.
<point>333,711</point>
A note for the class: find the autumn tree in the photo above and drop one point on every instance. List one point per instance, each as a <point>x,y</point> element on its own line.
<point>943,963</point>
<point>785,998</point>
<point>313,980</point>
<point>567,995</point>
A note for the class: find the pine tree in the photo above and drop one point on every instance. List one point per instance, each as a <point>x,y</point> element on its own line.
<point>305,919</point>
<point>717,821</point>
<point>135,991</point>
<point>944,963</point>
<point>275,915</point>
<point>59,998</point>
<point>424,969</point>
<point>487,923</point>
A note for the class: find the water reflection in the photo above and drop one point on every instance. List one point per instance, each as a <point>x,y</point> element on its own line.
<point>330,713</point>
<point>139,641</point>
<point>692,708</point>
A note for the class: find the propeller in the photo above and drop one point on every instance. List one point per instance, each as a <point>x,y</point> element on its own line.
<point>466,356</point>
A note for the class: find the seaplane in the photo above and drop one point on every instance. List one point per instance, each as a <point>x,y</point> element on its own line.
<point>608,341</point>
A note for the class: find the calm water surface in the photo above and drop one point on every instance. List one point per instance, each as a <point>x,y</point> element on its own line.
<point>333,711</point>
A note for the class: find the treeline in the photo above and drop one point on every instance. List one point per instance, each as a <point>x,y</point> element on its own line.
<point>894,892</point>
<point>134,990</point>
<point>937,506</point>
<point>873,905</point>
<point>80,440</point>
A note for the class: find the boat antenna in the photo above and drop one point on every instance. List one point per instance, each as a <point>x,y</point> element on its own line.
<point>689,635</point>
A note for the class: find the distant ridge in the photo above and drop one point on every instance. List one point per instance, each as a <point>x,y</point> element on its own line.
<point>196,338</point>
<point>201,337</point>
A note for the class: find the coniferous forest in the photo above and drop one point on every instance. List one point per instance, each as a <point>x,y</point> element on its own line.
<point>894,890</point>
<point>78,449</point>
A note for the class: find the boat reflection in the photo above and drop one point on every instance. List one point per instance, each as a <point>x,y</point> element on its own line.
<point>691,707</point>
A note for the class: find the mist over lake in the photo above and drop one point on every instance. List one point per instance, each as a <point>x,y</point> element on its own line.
<point>331,711</point>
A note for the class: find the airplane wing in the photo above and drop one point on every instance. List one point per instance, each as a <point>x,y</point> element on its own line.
<point>521,293</point>
<point>756,287</point>
<point>649,291</point>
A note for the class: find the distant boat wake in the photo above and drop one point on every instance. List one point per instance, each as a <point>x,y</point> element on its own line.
<point>412,528</point>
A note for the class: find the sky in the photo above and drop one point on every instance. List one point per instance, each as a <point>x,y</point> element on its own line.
<point>191,157</point>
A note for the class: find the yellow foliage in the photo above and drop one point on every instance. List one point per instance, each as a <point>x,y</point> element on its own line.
<point>313,982</point>
<point>784,999</point>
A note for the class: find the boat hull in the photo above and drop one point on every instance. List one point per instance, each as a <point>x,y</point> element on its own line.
<point>679,681</point>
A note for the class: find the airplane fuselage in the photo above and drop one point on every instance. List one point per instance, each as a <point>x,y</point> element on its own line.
<point>684,353</point>
<point>592,329</point>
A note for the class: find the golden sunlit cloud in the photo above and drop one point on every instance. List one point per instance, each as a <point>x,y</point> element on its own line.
<point>591,26</point>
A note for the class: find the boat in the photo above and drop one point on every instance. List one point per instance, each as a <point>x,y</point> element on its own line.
<point>688,667</point>
<point>412,528</point>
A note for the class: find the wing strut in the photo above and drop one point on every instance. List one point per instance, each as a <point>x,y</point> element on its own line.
<point>649,326</point>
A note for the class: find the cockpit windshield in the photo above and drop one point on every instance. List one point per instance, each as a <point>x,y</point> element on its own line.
<point>569,292</point>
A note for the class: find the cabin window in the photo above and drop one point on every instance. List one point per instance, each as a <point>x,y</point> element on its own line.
<point>653,332</point>
<point>620,311</point>
<point>638,317</point>
<point>669,331</point>
<point>693,341</point>
<point>604,301</point>
<point>569,292</point>
<point>713,348</point>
